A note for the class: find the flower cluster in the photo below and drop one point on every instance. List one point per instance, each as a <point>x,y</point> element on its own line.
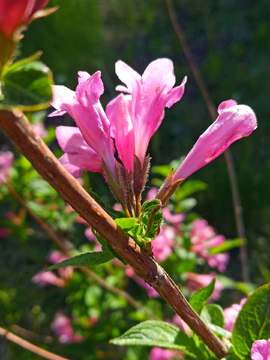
<point>128,124</point>
<point>6,159</point>
<point>61,325</point>
<point>203,238</point>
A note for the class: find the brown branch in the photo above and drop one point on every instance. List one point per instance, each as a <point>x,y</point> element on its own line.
<point>16,126</point>
<point>28,346</point>
<point>51,234</point>
<point>238,211</point>
<point>31,335</point>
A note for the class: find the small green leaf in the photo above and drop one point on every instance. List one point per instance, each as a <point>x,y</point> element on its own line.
<point>87,259</point>
<point>185,205</point>
<point>253,322</point>
<point>107,247</point>
<point>200,298</point>
<point>126,223</point>
<point>150,205</point>
<point>226,246</point>
<point>220,331</point>
<point>27,84</point>
<point>155,333</point>
<point>213,314</point>
<point>188,188</point>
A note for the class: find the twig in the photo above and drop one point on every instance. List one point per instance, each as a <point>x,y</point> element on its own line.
<point>228,155</point>
<point>27,345</point>
<point>17,127</point>
<point>31,335</point>
<point>51,234</point>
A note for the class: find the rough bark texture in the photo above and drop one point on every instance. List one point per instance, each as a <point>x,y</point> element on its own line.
<point>17,127</point>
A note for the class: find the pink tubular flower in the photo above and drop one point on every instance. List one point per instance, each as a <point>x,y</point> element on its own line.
<point>40,130</point>
<point>63,329</point>
<point>43,278</point>
<point>196,282</point>
<point>84,107</point>
<point>260,350</point>
<point>204,238</point>
<point>78,155</point>
<point>15,13</point>
<point>231,314</point>
<point>164,354</point>
<point>6,158</point>
<point>234,122</point>
<point>135,117</point>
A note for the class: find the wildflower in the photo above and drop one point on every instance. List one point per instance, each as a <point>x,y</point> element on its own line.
<point>231,314</point>
<point>260,350</point>
<point>234,122</point>
<point>63,329</point>
<point>164,354</point>
<point>163,243</point>
<point>44,278</point>
<point>135,117</point>
<point>204,238</point>
<point>6,158</point>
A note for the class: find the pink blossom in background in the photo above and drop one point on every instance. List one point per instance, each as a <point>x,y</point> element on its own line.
<point>260,350</point>
<point>164,354</point>
<point>61,325</point>
<point>140,281</point>
<point>40,130</point>
<point>196,282</point>
<point>45,278</point>
<point>163,243</point>
<point>135,117</point>
<point>234,122</point>
<point>91,237</point>
<point>177,321</point>
<point>4,232</point>
<point>6,159</point>
<point>203,238</point>
<point>93,131</point>
<point>231,314</point>
<point>56,257</point>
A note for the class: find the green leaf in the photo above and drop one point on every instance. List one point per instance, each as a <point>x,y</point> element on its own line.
<point>87,259</point>
<point>188,188</point>
<point>213,314</point>
<point>253,322</point>
<point>226,246</point>
<point>107,247</point>
<point>27,84</point>
<point>186,205</point>
<point>155,333</point>
<point>200,298</point>
<point>220,331</point>
<point>126,223</point>
<point>150,205</point>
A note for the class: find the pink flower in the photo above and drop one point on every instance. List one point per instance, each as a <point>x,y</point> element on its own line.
<point>177,321</point>
<point>63,329</point>
<point>163,354</point>
<point>135,117</point>
<point>4,232</point>
<point>40,130</point>
<point>231,314</point>
<point>234,122</point>
<point>84,107</point>
<point>6,159</point>
<point>15,13</point>
<point>204,238</point>
<point>43,278</point>
<point>196,282</point>
<point>140,281</point>
<point>56,257</point>
<point>163,243</point>
<point>260,350</point>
